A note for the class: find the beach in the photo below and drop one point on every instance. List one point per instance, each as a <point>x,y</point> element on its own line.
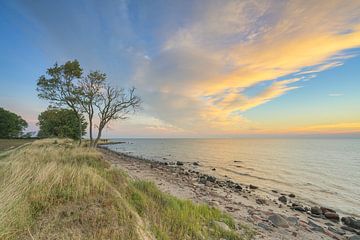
<point>278,215</point>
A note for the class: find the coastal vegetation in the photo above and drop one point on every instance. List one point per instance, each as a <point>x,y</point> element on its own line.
<point>55,189</point>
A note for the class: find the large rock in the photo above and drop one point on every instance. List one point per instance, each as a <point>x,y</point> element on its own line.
<point>324,210</point>
<point>316,210</point>
<point>351,222</point>
<point>336,230</point>
<point>278,221</point>
<point>354,237</point>
<point>283,199</point>
<point>315,227</point>
<point>332,216</point>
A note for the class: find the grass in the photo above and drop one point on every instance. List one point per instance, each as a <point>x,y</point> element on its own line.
<point>8,144</point>
<point>53,189</point>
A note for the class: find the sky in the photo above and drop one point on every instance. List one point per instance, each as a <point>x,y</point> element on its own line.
<point>202,68</point>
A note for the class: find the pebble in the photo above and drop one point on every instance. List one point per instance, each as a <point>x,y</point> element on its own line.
<point>264,226</point>
<point>282,199</point>
<point>179,163</point>
<point>260,201</point>
<point>253,187</point>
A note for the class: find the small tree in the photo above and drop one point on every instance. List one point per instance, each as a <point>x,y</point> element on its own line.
<point>59,87</point>
<point>90,88</point>
<point>11,124</point>
<point>115,103</point>
<point>61,123</point>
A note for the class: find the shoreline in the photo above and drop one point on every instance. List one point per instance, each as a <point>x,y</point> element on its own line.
<point>273,216</point>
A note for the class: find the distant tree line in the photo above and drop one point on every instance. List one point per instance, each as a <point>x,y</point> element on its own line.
<point>74,95</point>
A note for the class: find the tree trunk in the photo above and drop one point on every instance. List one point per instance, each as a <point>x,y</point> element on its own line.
<point>90,131</point>
<point>99,135</point>
<point>80,130</point>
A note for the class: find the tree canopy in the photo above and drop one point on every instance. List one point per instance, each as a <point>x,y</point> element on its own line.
<point>11,124</point>
<point>60,87</point>
<point>65,86</point>
<point>62,123</point>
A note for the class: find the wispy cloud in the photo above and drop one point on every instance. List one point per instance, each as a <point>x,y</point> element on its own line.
<point>232,46</point>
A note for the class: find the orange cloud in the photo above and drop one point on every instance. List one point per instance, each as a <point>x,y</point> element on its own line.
<point>227,50</point>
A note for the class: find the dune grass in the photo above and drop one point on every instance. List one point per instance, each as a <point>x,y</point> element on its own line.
<point>53,189</point>
<point>7,144</point>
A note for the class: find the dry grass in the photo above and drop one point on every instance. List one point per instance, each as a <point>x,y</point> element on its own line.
<point>7,144</point>
<point>53,189</point>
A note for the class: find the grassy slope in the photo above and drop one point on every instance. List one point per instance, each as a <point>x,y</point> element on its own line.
<point>53,189</point>
<point>7,144</point>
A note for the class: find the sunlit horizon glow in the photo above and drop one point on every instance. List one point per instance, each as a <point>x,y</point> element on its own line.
<point>203,69</point>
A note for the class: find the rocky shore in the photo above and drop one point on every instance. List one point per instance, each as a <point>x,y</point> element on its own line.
<point>273,216</point>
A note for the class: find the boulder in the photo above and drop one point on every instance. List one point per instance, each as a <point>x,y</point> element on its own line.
<point>283,199</point>
<point>351,222</point>
<point>315,227</point>
<point>332,216</point>
<point>196,164</point>
<point>316,210</point>
<point>291,195</point>
<point>278,221</point>
<point>324,210</point>
<point>336,230</point>
<point>293,221</point>
<point>354,237</point>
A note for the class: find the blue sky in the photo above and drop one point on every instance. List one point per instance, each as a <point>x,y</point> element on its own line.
<point>214,68</point>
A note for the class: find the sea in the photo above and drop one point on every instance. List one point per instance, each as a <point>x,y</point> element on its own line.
<point>323,172</point>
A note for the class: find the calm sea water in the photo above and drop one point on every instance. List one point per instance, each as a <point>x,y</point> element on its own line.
<point>321,171</point>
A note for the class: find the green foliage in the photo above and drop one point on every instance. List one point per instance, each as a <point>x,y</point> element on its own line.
<point>61,123</point>
<point>11,124</point>
<point>59,85</point>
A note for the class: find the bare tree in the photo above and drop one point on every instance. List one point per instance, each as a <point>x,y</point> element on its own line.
<point>115,103</point>
<point>90,88</point>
